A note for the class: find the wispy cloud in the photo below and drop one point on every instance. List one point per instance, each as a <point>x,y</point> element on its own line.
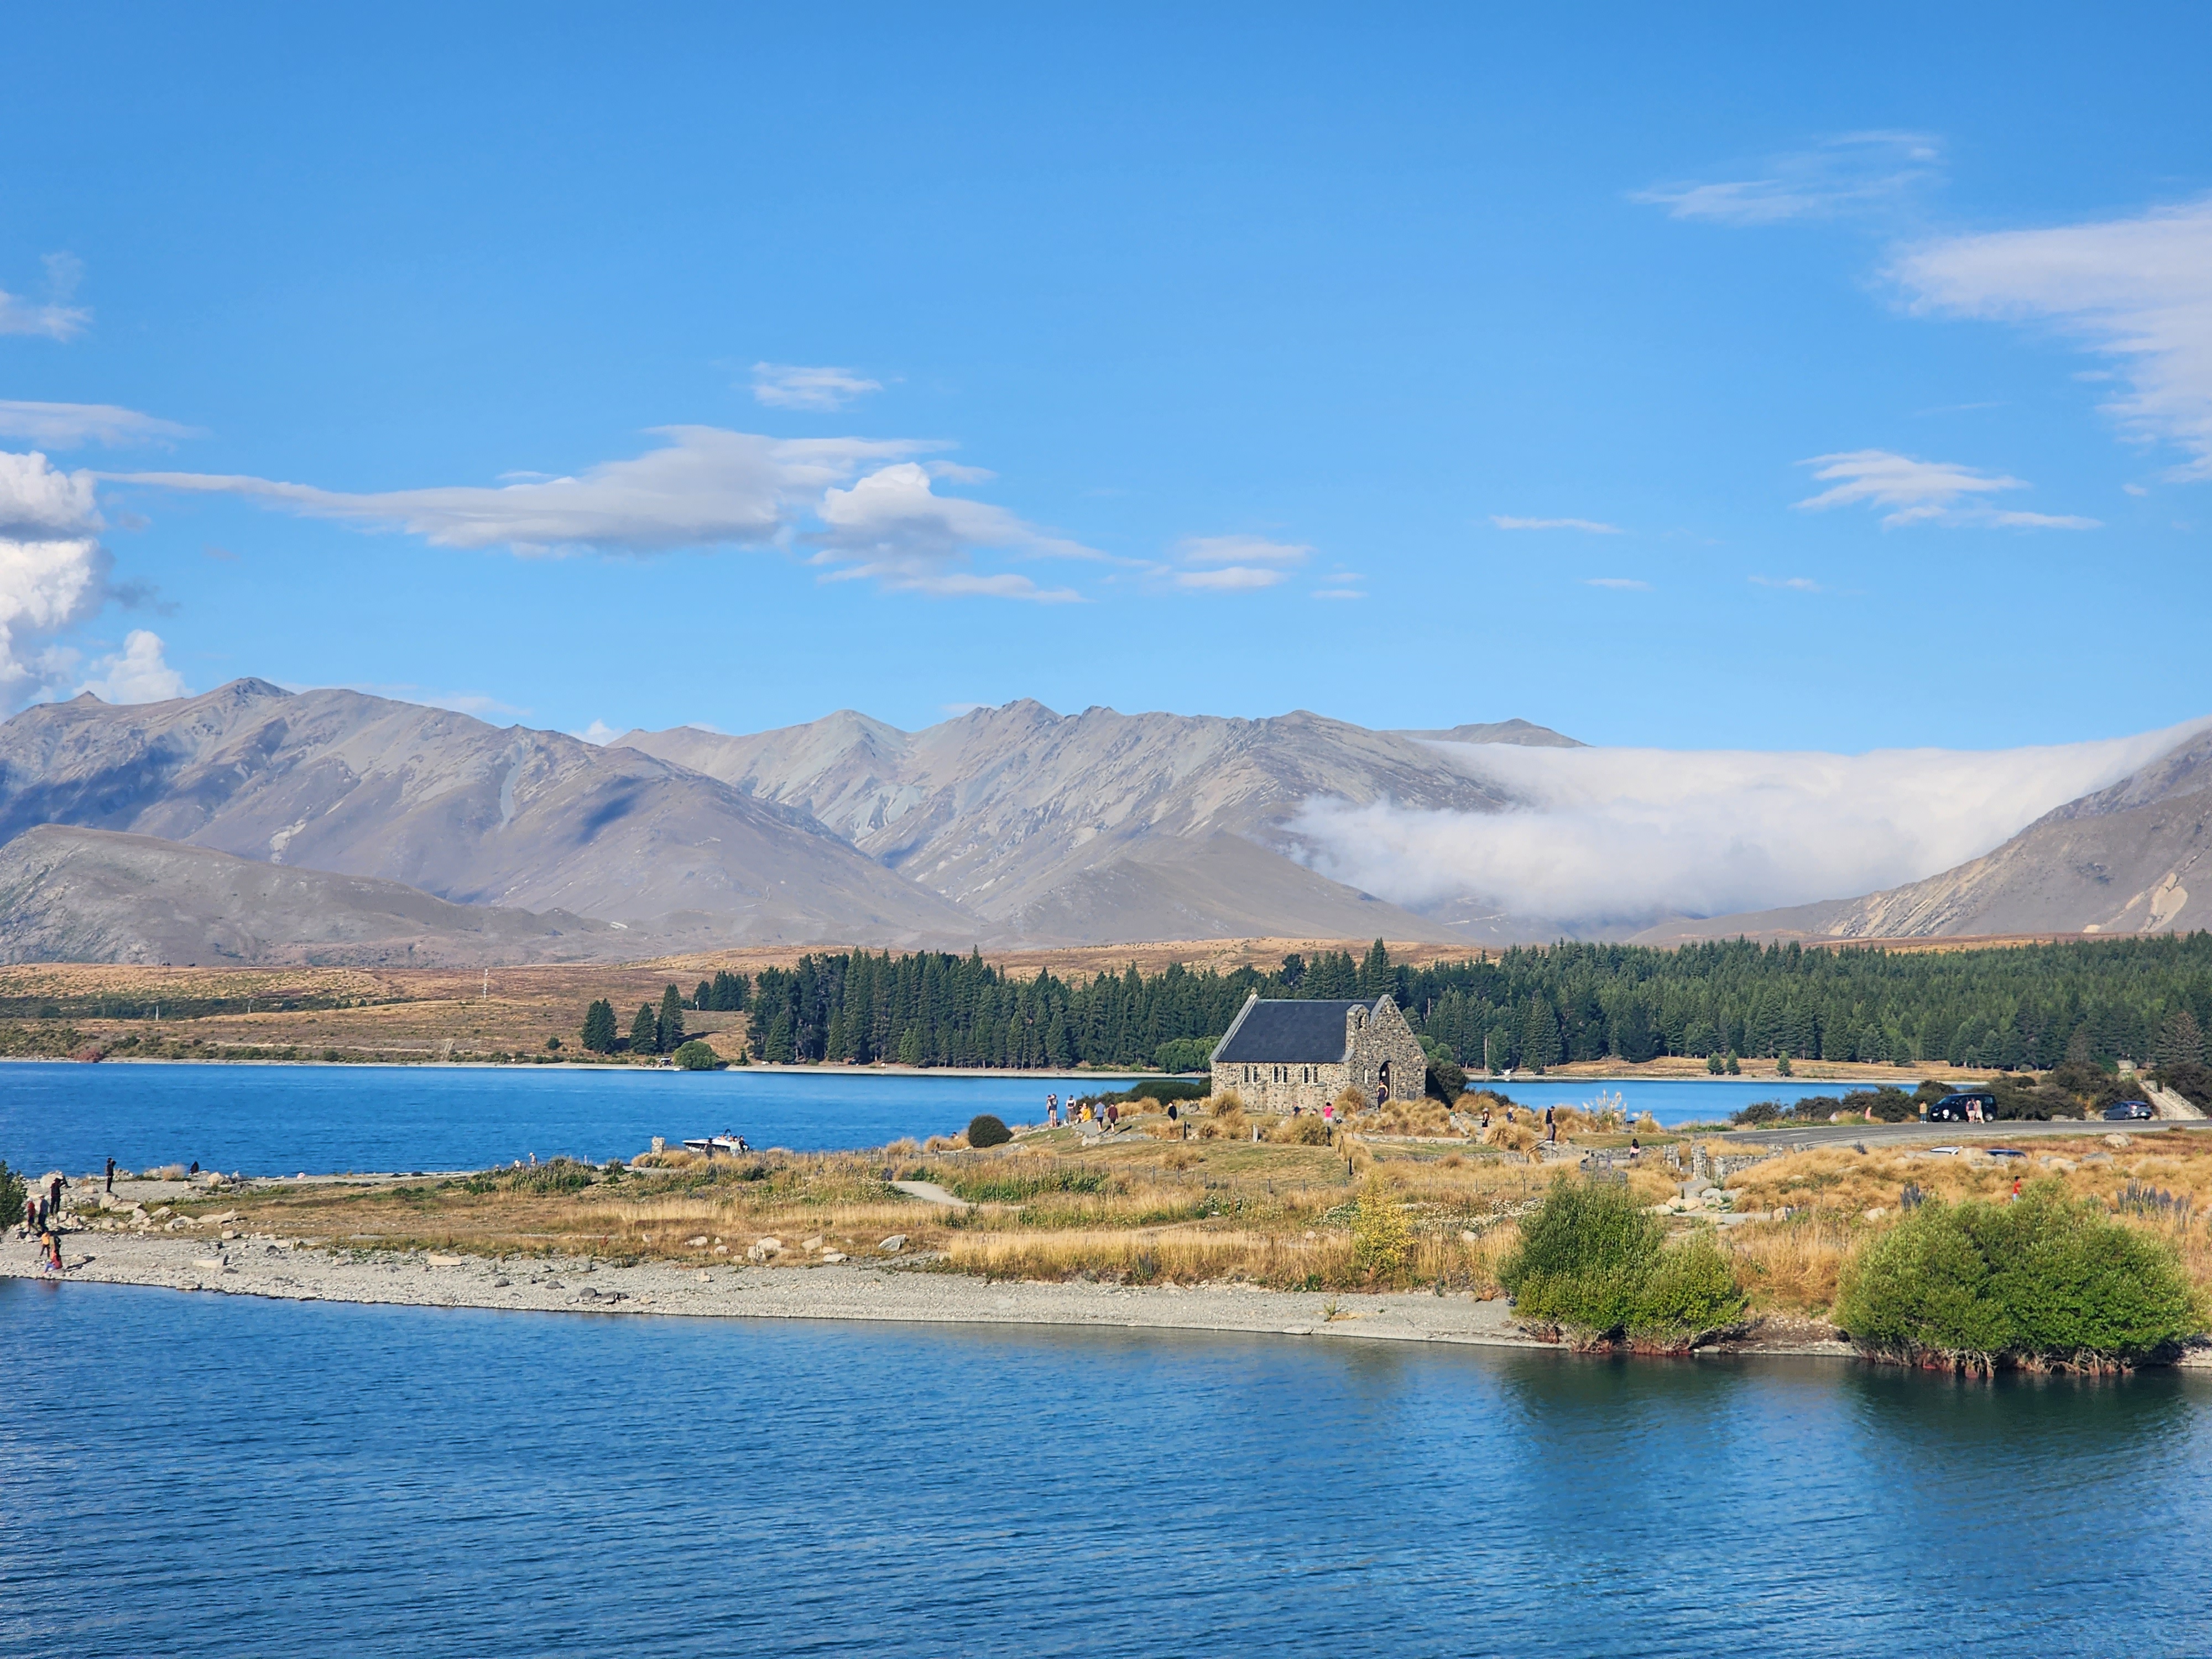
<point>1629,835</point>
<point>599,734</point>
<point>795,385</point>
<point>55,318</point>
<point>1235,564</point>
<point>68,425</point>
<point>1789,584</point>
<point>1626,583</point>
<point>2137,291</point>
<point>1848,174</point>
<point>1590,526</point>
<point>1925,492</point>
<point>137,674</point>
<point>865,506</point>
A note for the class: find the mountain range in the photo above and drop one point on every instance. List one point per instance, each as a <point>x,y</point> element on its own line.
<point>253,824</point>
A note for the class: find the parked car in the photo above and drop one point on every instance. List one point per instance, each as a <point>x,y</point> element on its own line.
<point>2121,1110</point>
<point>1952,1108</point>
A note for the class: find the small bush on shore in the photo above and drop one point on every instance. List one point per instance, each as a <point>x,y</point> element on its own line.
<point>1381,1242</point>
<point>2044,1280</point>
<point>696,1056</point>
<point>985,1130</point>
<point>13,1196</point>
<point>1591,1258</point>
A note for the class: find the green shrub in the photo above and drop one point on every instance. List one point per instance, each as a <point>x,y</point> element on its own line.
<point>1592,1259</point>
<point>1381,1243</point>
<point>985,1130</point>
<point>696,1056</point>
<point>2044,1279</point>
<point>1690,1290</point>
<point>13,1196</point>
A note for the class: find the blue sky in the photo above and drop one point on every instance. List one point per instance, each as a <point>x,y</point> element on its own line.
<point>1720,380</point>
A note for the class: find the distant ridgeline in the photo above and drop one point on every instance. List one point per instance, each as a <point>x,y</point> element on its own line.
<point>2011,1007</point>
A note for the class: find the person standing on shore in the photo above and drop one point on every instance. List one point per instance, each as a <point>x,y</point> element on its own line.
<point>54,1198</point>
<point>111,1175</point>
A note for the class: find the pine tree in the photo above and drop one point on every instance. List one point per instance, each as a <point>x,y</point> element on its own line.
<point>644,1031</point>
<point>2181,1040</point>
<point>1539,1036</point>
<point>704,998</point>
<point>1375,975</point>
<point>669,1031</point>
<point>599,1027</point>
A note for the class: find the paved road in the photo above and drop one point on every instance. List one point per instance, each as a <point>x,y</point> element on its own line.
<point>1940,1134</point>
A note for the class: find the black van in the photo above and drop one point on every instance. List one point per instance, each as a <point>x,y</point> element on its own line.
<point>1952,1108</point>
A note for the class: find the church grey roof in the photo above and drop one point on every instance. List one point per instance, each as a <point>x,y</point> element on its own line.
<point>1289,1032</point>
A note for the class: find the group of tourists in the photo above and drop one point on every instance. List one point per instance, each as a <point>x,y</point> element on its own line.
<point>1084,1112</point>
<point>42,1220</point>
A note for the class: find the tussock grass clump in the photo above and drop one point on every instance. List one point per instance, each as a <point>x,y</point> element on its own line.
<point>558,1175</point>
<point>997,1188</point>
<point>1305,1129</point>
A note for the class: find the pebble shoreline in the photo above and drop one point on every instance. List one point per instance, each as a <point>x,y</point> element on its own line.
<point>906,1293</point>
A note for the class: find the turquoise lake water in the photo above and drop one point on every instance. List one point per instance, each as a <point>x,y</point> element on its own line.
<point>280,1120</point>
<point>221,1476</point>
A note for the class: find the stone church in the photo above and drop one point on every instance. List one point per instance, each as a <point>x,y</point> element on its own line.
<point>1278,1056</point>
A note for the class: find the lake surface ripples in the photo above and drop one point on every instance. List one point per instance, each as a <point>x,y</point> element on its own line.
<point>203,1474</point>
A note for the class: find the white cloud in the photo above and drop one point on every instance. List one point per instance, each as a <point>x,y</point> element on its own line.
<point>1241,550</point>
<point>1339,593</point>
<point>1794,584</point>
<point>706,486</point>
<point>1629,835</point>
<point>1626,584</point>
<point>1234,564</point>
<point>598,732</point>
<point>137,674</point>
<point>53,571</point>
<point>793,386</point>
<point>56,318</point>
<point>2138,290</point>
<point>67,426</point>
<point>1923,492</point>
<point>1591,526</point>
<point>1230,579</point>
<point>1849,174</point>
<point>890,526</point>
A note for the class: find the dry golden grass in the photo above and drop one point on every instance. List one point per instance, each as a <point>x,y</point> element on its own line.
<point>1270,1213</point>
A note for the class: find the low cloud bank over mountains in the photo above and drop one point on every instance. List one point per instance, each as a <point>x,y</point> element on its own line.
<point>412,833</point>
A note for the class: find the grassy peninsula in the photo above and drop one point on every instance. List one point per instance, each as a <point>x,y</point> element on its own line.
<point>1921,1248</point>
